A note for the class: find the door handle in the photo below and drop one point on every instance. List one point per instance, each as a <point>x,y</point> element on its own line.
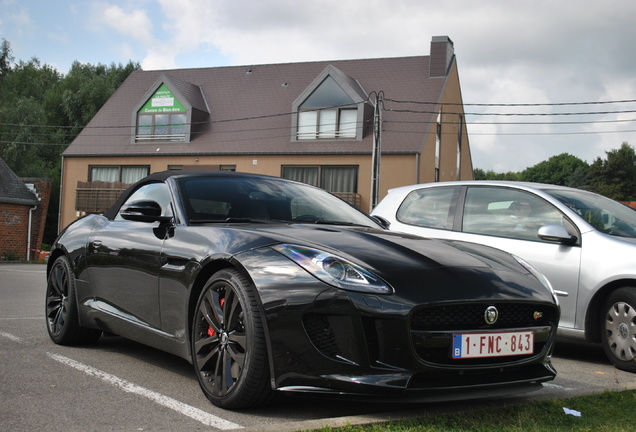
<point>97,244</point>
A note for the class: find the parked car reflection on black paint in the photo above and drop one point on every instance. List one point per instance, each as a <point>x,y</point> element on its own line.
<point>268,285</point>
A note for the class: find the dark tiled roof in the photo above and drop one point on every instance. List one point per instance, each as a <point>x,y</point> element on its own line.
<point>191,92</point>
<point>250,109</point>
<point>12,189</point>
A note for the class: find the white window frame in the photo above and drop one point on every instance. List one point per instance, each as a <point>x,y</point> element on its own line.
<point>118,173</point>
<point>318,175</point>
<point>328,123</point>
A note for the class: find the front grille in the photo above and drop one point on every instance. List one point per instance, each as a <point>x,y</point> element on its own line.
<point>432,328</point>
<point>470,316</point>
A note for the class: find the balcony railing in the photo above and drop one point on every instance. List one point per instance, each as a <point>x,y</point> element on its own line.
<point>97,196</point>
<point>157,137</point>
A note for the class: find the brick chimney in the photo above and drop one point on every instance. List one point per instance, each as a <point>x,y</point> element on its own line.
<point>442,53</point>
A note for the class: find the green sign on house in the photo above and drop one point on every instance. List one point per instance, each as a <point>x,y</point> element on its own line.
<point>163,101</point>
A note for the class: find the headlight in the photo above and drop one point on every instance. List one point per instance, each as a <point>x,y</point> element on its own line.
<point>334,270</point>
<point>537,274</point>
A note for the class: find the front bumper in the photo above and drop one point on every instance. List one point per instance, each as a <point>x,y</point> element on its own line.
<point>324,339</point>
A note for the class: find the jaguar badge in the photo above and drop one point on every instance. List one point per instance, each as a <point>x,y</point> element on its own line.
<point>491,314</point>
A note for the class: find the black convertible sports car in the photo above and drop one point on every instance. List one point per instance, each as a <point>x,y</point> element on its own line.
<point>266,284</point>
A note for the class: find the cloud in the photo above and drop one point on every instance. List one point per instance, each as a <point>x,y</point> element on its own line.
<point>17,17</point>
<point>155,59</point>
<point>134,24</point>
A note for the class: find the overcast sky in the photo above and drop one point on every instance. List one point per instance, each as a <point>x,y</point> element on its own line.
<point>508,52</point>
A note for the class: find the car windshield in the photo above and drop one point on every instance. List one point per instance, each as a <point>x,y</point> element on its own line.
<point>604,214</point>
<point>212,199</point>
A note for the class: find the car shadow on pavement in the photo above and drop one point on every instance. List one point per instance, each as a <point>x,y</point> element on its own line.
<point>583,351</point>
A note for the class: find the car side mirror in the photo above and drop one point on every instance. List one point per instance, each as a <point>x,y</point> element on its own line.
<point>143,211</point>
<point>555,233</point>
<point>381,221</point>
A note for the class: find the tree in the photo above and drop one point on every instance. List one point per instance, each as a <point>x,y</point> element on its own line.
<point>5,59</point>
<point>615,177</point>
<point>563,169</point>
<point>42,111</point>
<point>480,174</point>
<point>85,89</point>
<point>25,143</point>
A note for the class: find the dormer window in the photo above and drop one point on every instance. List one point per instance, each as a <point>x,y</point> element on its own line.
<point>162,118</point>
<point>168,111</point>
<point>329,113</point>
<point>331,108</point>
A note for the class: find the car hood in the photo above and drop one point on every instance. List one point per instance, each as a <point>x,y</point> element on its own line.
<point>411,261</point>
<point>374,246</point>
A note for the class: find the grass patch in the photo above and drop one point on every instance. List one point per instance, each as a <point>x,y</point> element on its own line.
<point>607,412</point>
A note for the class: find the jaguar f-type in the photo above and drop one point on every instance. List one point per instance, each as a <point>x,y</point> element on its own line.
<point>269,285</point>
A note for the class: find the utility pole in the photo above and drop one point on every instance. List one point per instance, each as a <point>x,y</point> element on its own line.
<point>375,157</point>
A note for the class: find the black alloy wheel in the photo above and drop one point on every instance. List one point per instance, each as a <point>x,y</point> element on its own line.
<point>228,343</point>
<point>619,328</point>
<point>62,321</point>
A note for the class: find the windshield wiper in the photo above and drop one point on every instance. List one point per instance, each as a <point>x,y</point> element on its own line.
<point>345,223</point>
<point>232,220</point>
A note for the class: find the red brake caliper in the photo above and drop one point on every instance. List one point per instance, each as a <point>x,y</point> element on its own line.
<point>211,331</point>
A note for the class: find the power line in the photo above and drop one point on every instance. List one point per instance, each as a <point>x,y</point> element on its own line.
<point>517,104</point>
<point>587,122</point>
<point>86,129</point>
<point>423,122</point>
<point>515,114</point>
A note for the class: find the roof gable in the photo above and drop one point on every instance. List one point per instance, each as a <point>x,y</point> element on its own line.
<point>187,94</point>
<point>347,86</point>
<point>12,189</point>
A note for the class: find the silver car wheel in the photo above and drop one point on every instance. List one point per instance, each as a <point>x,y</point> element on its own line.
<point>620,325</point>
<point>618,328</point>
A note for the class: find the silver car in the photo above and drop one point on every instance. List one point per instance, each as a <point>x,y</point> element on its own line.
<point>584,243</point>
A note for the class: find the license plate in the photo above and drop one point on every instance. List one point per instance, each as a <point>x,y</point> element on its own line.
<point>475,345</point>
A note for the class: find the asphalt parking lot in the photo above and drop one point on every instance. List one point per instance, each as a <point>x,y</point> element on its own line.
<point>121,385</point>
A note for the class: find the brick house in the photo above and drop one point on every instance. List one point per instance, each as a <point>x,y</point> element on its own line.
<point>353,127</point>
<point>23,206</point>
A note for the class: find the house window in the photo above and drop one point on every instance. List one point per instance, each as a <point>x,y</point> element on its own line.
<point>328,113</point>
<point>162,127</point>
<point>162,118</point>
<point>460,123</point>
<point>120,174</point>
<point>438,146</point>
<point>328,123</point>
<point>105,184</point>
<point>335,179</point>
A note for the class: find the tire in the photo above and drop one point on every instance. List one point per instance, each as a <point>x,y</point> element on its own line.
<point>229,352</point>
<point>62,318</point>
<point>619,328</point>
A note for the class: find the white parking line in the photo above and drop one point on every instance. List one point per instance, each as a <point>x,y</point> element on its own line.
<point>187,410</point>
<point>556,386</point>
<point>180,407</point>
<point>14,270</point>
<point>11,337</point>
